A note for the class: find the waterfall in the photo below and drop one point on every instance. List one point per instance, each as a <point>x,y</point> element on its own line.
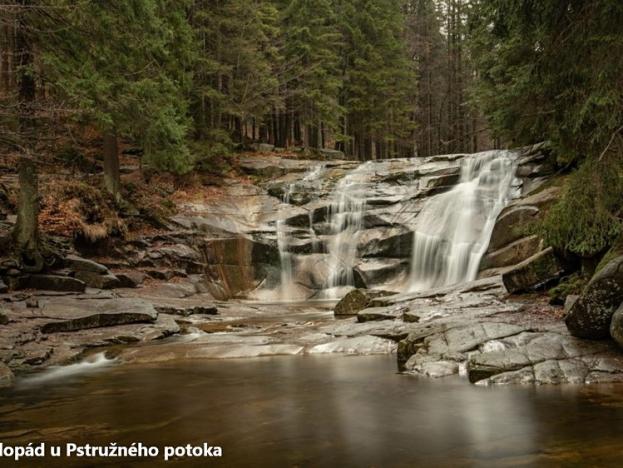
<point>454,228</point>
<point>285,257</point>
<point>346,218</point>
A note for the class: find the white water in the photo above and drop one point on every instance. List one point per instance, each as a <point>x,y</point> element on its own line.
<point>287,268</point>
<point>91,364</point>
<point>346,217</point>
<point>454,229</point>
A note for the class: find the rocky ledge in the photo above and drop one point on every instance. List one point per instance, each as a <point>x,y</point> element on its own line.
<point>478,331</point>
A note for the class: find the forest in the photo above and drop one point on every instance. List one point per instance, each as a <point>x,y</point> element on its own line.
<point>185,84</point>
<point>293,232</point>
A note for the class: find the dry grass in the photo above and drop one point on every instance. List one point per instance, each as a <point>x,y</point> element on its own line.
<point>74,209</point>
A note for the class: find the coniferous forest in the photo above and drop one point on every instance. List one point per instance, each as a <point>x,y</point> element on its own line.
<point>181,178</point>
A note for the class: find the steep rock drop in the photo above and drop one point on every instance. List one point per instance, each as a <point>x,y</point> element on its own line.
<point>454,228</point>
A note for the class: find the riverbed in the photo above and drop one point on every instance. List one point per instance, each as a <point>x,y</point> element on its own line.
<point>315,411</point>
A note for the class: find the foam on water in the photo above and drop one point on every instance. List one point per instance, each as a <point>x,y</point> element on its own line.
<point>454,229</point>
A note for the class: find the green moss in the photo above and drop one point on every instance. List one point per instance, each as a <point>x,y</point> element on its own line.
<point>585,221</point>
<point>573,284</point>
<point>615,251</point>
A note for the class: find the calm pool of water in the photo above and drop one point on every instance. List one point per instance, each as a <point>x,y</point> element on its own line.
<point>318,411</point>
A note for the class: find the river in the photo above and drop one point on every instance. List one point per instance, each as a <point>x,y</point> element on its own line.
<point>317,411</point>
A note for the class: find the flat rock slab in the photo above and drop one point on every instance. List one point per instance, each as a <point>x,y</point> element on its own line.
<point>52,283</point>
<point>359,345</point>
<point>70,315</point>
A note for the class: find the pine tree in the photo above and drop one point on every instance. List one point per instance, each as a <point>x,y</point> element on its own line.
<point>124,65</point>
<point>234,81</point>
<point>311,82</point>
<point>549,71</point>
<point>379,79</point>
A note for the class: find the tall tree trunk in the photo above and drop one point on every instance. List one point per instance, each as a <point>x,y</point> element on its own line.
<point>112,179</point>
<point>26,232</point>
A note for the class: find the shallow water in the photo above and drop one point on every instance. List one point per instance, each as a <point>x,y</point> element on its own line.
<point>318,411</point>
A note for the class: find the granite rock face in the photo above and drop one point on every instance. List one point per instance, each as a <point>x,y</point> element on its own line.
<point>533,273</point>
<point>356,300</point>
<point>591,314</point>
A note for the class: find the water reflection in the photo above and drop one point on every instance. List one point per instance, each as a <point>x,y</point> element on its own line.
<point>321,411</point>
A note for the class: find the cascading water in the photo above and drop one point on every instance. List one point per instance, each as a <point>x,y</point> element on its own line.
<point>454,228</point>
<point>286,260</point>
<point>346,218</point>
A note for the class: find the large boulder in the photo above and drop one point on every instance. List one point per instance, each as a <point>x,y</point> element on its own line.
<point>591,314</point>
<point>533,273</point>
<point>510,225</point>
<point>357,300</point>
<point>512,254</point>
<point>377,271</point>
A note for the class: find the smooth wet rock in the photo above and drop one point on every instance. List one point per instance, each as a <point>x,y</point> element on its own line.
<point>97,280</point>
<point>375,272</point>
<point>533,273</point>
<point>3,287</point>
<point>510,225</point>
<point>591,315</point>
<point>386,242</point>
<point>53,283</point>
<point>82,264</point>
<point>357,300</point>
<point>512,254</point>
<point>69,316</point>
<point>312,271</point>
<point>360,345</point>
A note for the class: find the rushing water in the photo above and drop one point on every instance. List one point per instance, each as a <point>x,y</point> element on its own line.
<point>286,259</point>
<point>454,228</point>
<point>318,411</point>
<point>346,217</point>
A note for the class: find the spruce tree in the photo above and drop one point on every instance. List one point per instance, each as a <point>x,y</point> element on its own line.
<point>311,82</point>
<point>379,79</point>
<point>124,65</point>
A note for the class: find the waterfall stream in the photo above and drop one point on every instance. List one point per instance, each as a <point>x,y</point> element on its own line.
<point>454,228</point>
<point>286,260</point>
<point>346,217</point>
<point>451,233</point>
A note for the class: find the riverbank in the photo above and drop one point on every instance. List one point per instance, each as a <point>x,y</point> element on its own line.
<point>255,269</point>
